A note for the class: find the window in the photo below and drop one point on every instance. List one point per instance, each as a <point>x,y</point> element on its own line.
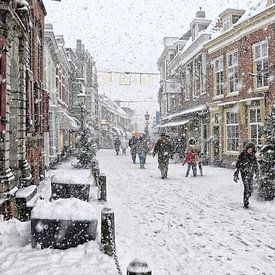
<point>219,76</point>
<point>198,83</point>
<point>255,125</point>
<point>226,23</point>
<point>232,131</point>
<point>233,72</point>
<point>261,64</point>
<point>190,83</point>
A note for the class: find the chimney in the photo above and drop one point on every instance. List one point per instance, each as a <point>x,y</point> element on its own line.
<point>78,45</point>
<point>200,13</point>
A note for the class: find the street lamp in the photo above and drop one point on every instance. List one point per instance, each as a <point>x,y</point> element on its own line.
<point>147,117</point>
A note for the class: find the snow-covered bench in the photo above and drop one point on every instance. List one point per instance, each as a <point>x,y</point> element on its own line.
<point>26,197</point>
<point>63,223</point>
<point>69,187</point>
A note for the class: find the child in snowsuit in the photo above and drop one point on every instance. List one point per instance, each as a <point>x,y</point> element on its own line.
<point>191,158</point>
<point>248,166</point>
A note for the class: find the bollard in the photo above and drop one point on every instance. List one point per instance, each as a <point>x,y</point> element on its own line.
<point>107,231</point>
<point>94,163</point>
<point>96,175</point>
<point>137,267</point>
<point>102,188</point>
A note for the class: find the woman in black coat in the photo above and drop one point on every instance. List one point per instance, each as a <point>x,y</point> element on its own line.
<point>248,166</point>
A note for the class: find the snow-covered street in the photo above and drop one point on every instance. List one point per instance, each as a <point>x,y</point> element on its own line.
<point>178,225</point>
<point>188,225</point>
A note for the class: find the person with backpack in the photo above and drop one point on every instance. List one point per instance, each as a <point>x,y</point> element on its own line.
<point>247,165</point>
<point>191,157</point>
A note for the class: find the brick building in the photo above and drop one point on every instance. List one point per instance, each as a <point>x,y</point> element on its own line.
<point>241,68</point>
<point>14,169</point>
<point>37,97</point>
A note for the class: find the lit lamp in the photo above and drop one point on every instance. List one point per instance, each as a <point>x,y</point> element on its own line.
<point>81,98</point>
<point>147,117</point>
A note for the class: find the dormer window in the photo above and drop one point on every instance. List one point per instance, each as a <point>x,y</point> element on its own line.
<point>226,23</point>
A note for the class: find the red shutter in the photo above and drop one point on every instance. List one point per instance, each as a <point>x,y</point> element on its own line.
<point>3,85</point>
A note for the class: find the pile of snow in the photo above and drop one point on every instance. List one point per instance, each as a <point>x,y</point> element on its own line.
<point>25,192</point>
<point>14,233</point>
<point>254,7</point>
<point>64,209</point>
<point>69,179</point>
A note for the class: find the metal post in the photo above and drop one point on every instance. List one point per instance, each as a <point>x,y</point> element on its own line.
<point>102,188</point>
<point>96,175</point>
<point>107,231</point>
<point>137,267</point>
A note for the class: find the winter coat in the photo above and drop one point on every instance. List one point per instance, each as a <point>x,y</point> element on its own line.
<point>117,142</point>
<point>133,142</point>
<point>141,146</point>
<point>247,162</point>
<point>163,148</point>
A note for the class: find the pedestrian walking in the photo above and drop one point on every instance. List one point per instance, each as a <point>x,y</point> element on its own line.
<point>124,145</point>
<point>141,151</point>
<point>117,144</point>
<point>248,167</point>
<point>133,148</point>
<point>191,157</point>
<point>164,149</point>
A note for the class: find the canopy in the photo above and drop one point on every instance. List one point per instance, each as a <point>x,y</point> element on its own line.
<point>175,123</point>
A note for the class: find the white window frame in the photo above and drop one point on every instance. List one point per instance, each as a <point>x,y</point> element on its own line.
<point>260,57</point>
<point>259,126</point>
<point>219,75</point>
<point>226,23</point>
<point>190,80</point>
<point>232,73</point>
<point>232,142</point>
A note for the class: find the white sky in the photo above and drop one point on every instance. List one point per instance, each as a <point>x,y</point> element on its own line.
<point>126,35</point>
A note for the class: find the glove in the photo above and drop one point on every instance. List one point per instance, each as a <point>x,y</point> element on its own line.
<point>153,155</point>
<point>236,176</point>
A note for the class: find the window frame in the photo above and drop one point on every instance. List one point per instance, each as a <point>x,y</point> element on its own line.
<point>234,127</point>
<point>232,70</point>
<point>228,25</point>
<point>261,60</point>
<point>219,75</point>
<point>258,124</point>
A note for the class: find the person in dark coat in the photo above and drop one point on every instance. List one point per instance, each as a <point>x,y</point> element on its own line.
<point>117,144</point>
<point>141,151</point>
<point>164,149</point>
<point>133,148</point>
<point>247,165</point>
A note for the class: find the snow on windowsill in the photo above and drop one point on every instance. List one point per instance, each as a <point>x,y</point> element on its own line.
<point>64,209</point>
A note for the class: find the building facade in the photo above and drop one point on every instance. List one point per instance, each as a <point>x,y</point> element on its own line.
<point>241,69</point>
<point>183,95</point>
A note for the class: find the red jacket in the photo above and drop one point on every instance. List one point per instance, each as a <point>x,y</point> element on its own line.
<point>191,157</point>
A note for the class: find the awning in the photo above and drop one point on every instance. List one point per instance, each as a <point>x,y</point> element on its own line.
<point>175,123</point>
<point>118,131</point>
<point>68,122</point>
<point>196,109</point>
